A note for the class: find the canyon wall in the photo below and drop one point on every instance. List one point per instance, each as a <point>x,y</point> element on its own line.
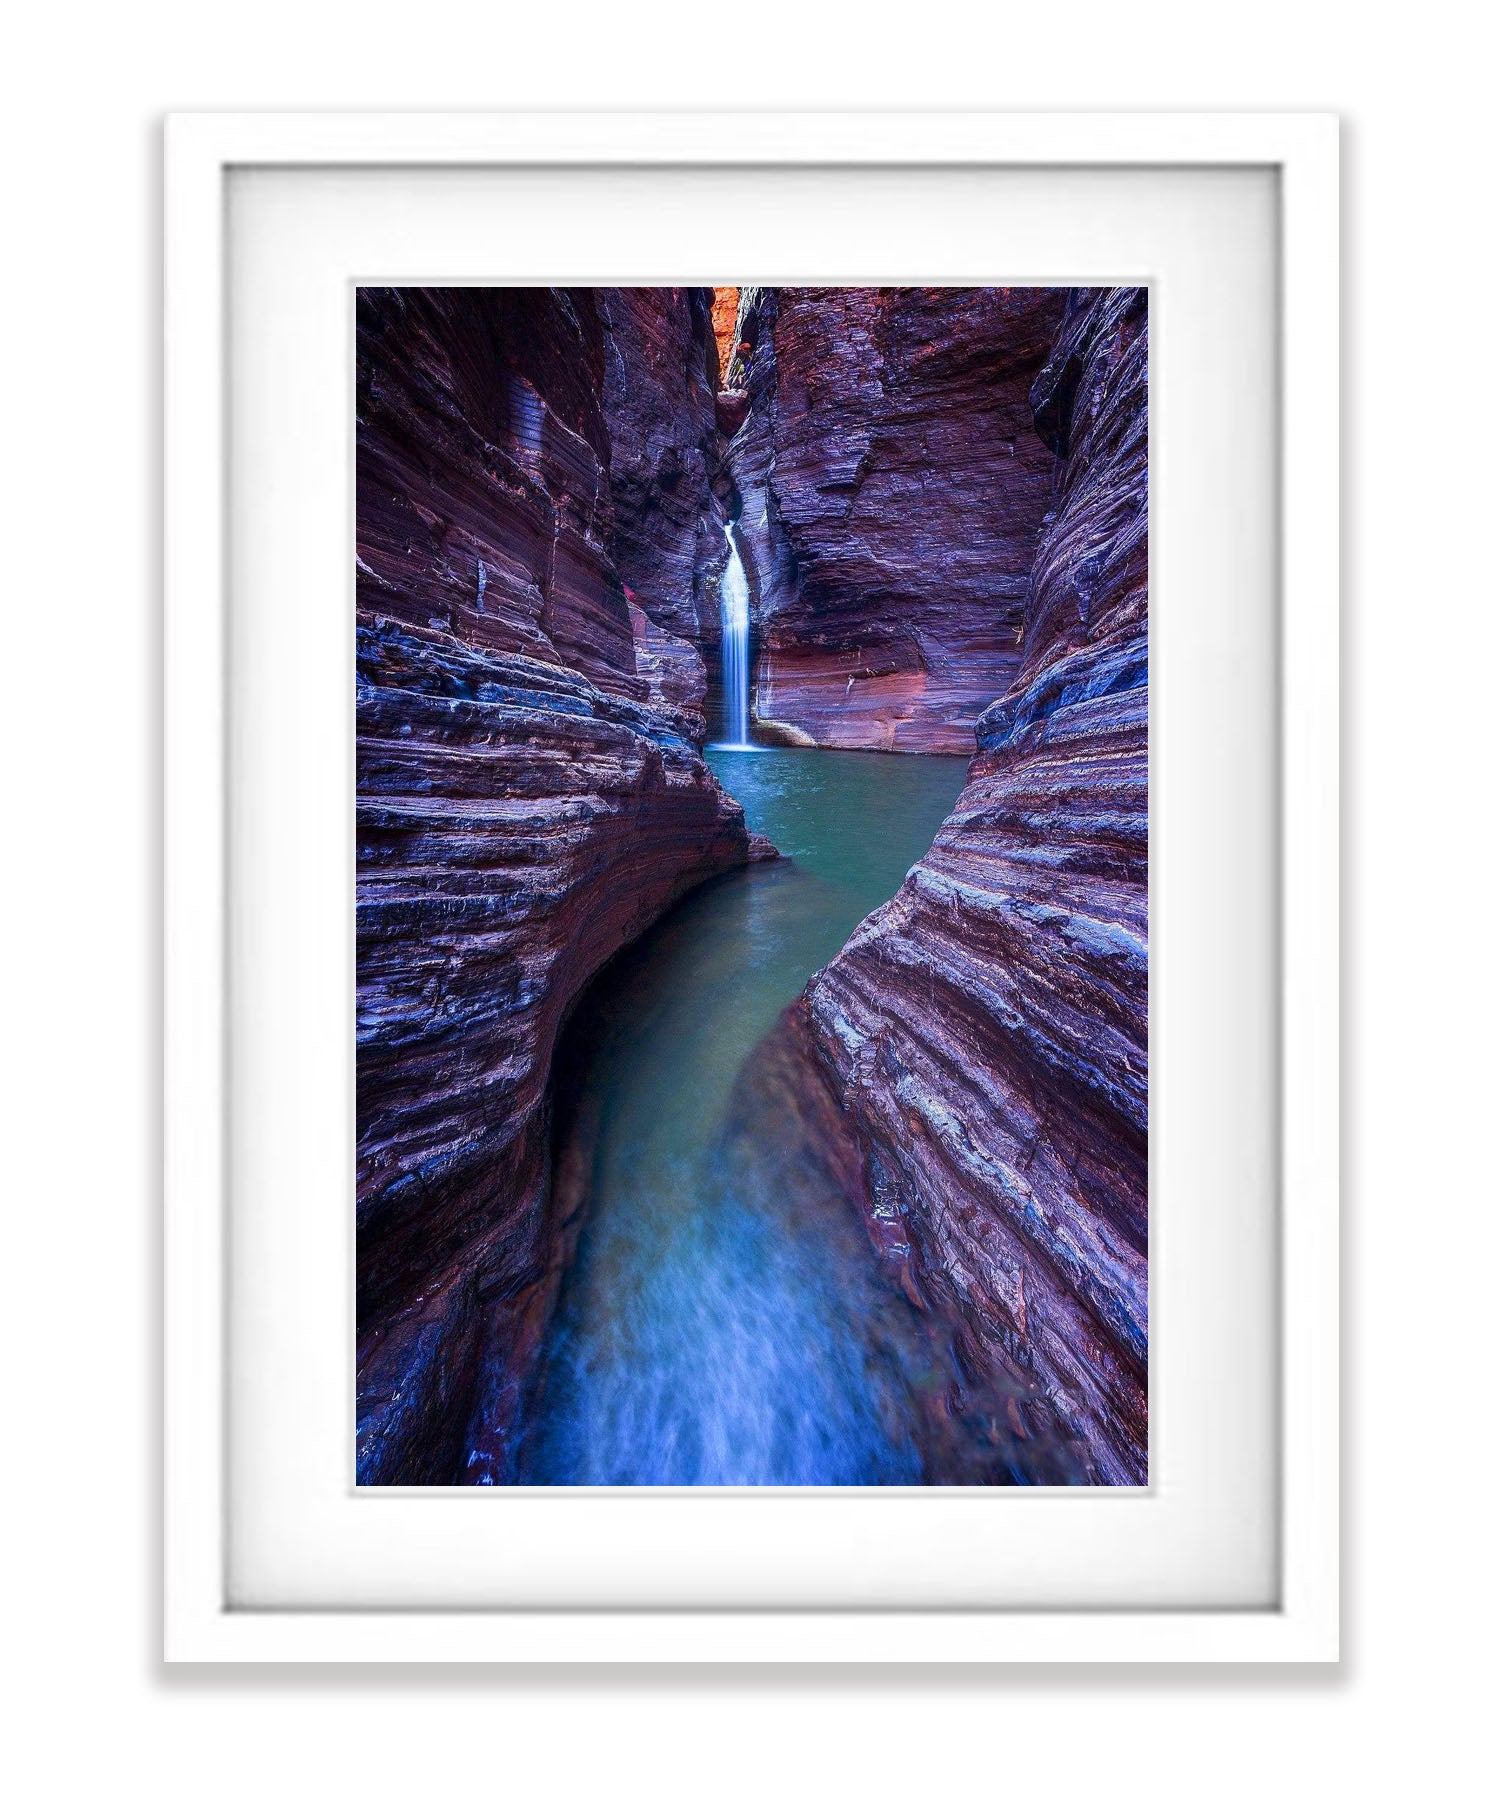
<point>529,797</point>
<point>892,487</point>
<point>726,318</point>
<point>985,1031</point>
<point>661,376</point>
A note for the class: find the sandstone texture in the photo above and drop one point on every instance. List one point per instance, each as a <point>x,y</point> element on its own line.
<point>529,798</point>
<point>986,1031</point>
<point>725,314</point>
<point>891,487</point>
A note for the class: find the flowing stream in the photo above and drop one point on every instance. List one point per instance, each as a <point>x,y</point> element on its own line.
<point>723,1320</point>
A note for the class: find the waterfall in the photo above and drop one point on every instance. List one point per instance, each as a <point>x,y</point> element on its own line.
<point>734,616</point>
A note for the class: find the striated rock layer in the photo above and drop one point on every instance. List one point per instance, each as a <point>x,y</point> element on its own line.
<point>892,488</point>
<point>658,398</point>
<point>986,1029</point>
<point>482,474</point>
<point>530,797</point>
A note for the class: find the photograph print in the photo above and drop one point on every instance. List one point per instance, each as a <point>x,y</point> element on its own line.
<point>751,890</point>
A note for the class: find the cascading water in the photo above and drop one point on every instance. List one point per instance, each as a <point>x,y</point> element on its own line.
<point>734,618</point>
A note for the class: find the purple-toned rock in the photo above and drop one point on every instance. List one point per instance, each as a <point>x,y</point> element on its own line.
<point>986,1030</point>
<point>482,474</point>
<point>529,799</point>
<point>658,398</point>
<point>676,680</point>
<point>893,488</point>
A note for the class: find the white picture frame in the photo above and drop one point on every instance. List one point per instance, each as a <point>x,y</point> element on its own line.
<point>200,1622</point>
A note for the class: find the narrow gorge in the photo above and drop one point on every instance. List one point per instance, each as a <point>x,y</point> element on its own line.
<point>751,886</point>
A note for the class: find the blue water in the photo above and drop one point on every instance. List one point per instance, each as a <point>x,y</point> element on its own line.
<point>724,1320</point>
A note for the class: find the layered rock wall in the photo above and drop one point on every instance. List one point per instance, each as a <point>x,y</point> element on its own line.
<point>529,797</point>
<point>892,488</point>
<point>986,1030</point>
<point>482,474</point>
<point>660,382</point>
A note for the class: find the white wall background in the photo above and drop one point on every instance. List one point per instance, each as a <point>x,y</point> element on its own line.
<point>79,379</point>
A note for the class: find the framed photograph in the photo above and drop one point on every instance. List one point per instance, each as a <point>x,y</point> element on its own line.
<point>752,833</point>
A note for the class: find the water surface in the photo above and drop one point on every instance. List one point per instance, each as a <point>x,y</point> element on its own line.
<point>724,1321</point>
